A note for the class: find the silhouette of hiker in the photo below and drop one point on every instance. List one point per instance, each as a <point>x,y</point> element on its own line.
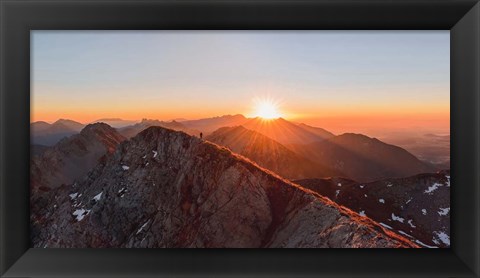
<point>201,135</point>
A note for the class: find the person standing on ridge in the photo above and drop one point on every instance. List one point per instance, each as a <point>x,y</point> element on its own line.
<point>201,135</point>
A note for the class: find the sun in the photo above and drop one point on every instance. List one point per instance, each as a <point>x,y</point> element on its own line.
<point>266,109</point>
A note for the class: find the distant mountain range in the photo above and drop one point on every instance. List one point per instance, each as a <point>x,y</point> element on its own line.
<point>47,134</point>
<point>133,130</point>
<point>209,125</point>
<point>352,155</point>
<point>44,134</point>
<point>115,122</point>
<point>322,154</point>
<point>315,152</point>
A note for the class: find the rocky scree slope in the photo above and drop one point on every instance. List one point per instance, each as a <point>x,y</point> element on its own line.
<point>417,207</point>
<point>63,164</point>
<point>164,188</point>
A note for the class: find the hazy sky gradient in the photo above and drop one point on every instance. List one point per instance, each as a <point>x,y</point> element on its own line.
<point>86,75</point>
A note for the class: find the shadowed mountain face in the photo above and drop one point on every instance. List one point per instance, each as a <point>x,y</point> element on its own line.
<point>286,132</point>
<point>268,153</point>
<point>209,125</point>
<point>320,132</point>
<point>73,157</point>
<point>133,130</point>
<point>46,134</point>
<point>363,158</point>
<point>37,150</point>
<point>417,207</point>
<point>165,188</point>
<point>318,153</point>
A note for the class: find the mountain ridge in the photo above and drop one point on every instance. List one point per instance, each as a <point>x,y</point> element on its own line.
<point>179,182</point>
<point>363,158</point>
<point>208,125</point>
<point>43,133</point>
<point>268,153</point>
<point>286,132</point>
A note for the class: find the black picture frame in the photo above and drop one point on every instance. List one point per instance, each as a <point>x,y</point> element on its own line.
<point>18,17</point>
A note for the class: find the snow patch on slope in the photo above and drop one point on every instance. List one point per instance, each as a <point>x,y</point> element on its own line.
<point>432,188</point>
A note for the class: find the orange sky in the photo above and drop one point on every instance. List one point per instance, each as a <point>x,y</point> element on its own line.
<point>335,119</point>
<point>342,80</point>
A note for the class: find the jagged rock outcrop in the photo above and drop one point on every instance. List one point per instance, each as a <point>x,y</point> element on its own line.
<point>164,188</point>
<point>58,167</point>
<point>417,207</point>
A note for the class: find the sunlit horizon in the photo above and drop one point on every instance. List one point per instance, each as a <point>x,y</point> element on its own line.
<point>342,81</point>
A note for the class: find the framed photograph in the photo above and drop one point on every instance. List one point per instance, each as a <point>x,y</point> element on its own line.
<point>272,138</point>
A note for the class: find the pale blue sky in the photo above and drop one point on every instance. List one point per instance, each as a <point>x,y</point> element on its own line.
<point>307,71</point>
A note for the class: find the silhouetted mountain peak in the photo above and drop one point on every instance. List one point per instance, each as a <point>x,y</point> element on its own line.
<point>39,126</point>
<point>72,157</point>
<point>236,116</point>
<point>67,122</point>
<point>286,132</point>
<point>208,125</point>
<point>40,123</point>
<point>98,129</point>
<point>49,134</point>
<point>268,153</point>
<point>149,121</point>
<point>64,125</point>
